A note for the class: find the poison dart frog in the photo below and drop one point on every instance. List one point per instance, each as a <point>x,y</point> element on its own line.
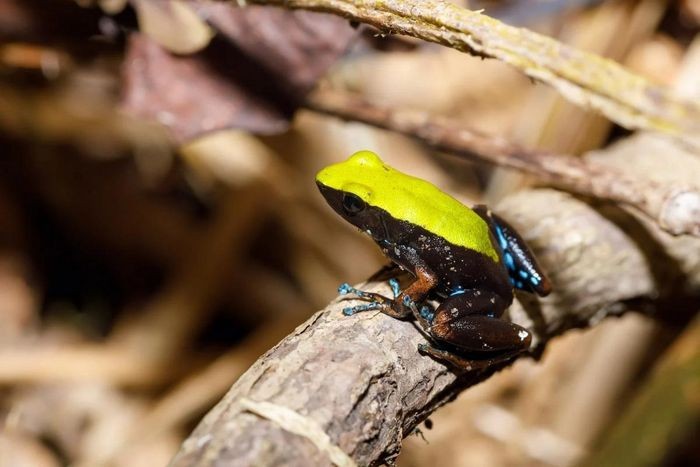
<point>469,260</point>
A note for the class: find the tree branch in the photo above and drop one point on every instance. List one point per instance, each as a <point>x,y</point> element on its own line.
<point>675,208</point>
<point>360,380</point>
<point>583,78</point>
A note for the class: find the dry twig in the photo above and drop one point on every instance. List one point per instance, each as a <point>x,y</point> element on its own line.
<point>583,78</point>
<point>675,208</point>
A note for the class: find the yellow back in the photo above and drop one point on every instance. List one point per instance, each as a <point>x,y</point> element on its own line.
<point>410,199</point>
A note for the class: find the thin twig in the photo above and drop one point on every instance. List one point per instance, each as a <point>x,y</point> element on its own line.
<point>675,208</point>
<point>583,78</point>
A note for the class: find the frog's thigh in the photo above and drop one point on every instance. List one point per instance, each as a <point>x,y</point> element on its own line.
<point>465,321</point>
<point>464,363</point>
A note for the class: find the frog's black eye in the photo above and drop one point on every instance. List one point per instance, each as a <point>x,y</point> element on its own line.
<point>352,204</point>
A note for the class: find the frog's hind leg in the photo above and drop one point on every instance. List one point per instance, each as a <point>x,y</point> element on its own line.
<point>475,342</point>
<point>463,363</point>
<point>469,321</point>
<point>523,269</point>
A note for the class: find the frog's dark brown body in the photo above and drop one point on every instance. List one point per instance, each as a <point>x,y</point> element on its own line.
<point>457,268</point>
<point>473,288</point>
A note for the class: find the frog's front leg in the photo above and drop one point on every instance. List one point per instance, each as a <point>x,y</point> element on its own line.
<point>407,301</point>
<point>404,303</point>
<point>375,301</point>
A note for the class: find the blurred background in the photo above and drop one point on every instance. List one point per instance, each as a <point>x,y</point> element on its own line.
<point>160,227</point>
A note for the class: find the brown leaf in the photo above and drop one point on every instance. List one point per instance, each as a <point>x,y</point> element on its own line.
<point>297,46</point>
<point>174,24</point>
<point>253,75</point>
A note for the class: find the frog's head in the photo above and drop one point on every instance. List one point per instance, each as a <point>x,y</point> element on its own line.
<point>350,187</point>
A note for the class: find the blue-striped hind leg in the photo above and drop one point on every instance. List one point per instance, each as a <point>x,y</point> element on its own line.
<point>524,271</point>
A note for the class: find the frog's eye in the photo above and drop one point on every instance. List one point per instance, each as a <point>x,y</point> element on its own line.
<point>353,204</point>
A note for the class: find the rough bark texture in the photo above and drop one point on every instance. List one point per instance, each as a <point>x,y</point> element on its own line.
<point>361,381</point>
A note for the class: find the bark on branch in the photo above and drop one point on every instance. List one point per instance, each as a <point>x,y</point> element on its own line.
<point>581,77</point>
<point>340,390</point>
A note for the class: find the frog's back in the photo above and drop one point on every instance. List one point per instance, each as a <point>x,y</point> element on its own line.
<point>411,199</point>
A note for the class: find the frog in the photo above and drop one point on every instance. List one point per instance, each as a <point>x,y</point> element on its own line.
<point>468,260</point>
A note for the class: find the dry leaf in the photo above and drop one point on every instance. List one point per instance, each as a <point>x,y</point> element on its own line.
<point>252,76</point>
<point>296,46</point>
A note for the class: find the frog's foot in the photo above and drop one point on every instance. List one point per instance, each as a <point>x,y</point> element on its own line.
<point>347,289</point>
<point>465,364</point>
<point>351,310</point>
<point>427,312</point>
<point>394,284</point>
<point>376,301</point>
